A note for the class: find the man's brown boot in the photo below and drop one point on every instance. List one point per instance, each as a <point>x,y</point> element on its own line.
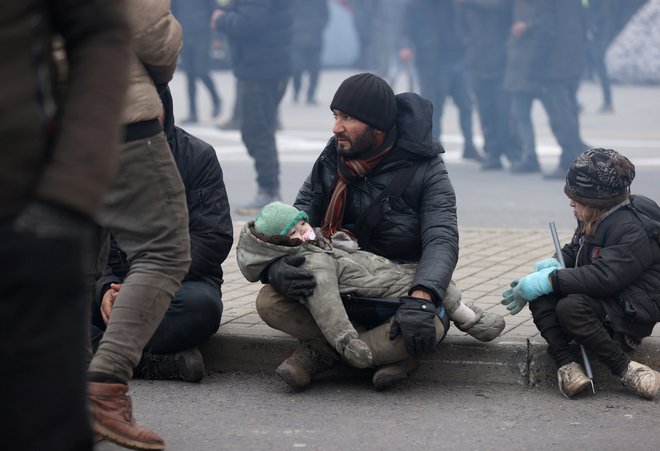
<point>112,418</point>
<point>309,359</point>
<point>388,376</point>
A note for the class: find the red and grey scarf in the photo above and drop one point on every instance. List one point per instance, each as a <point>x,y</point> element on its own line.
<point>350,171</point>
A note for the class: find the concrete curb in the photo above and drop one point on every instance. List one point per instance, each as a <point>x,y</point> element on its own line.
<point>459,360</point>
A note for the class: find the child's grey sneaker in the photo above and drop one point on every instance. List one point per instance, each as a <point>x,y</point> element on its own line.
<point>642,380</point>
<point>572,379</point>
<point>486,326</point>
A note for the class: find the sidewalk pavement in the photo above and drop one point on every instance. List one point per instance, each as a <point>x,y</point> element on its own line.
<point>489,259</point>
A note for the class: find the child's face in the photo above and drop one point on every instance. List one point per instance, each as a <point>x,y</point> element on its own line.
<point>302,230</point>
<point>578,209</point>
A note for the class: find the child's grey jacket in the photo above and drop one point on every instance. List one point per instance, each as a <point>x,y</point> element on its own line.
<point>336,271</point>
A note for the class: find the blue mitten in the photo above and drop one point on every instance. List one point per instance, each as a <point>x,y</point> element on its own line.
<point>547,263</point>
<point>534,285</point>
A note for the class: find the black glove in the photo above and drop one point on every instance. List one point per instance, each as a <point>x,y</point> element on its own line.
<point>288,278</point>
<point>414,321</point>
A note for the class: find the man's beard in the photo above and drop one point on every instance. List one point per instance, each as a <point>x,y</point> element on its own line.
<point>362,143</point>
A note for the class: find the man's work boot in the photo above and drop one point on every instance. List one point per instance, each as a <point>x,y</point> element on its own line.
<point>388,376</point>
<point>572,379</point>
<point>186,366</point>
<point>642,380</point>
<point>486,326</point>
<point>309,359</point>
<point>112,417</point>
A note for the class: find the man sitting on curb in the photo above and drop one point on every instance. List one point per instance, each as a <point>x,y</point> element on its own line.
<point>194,313</point>
<point>382,179</point>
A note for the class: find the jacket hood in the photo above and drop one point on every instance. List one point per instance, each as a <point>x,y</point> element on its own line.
<point>166,98</point>
<point>415,125</point>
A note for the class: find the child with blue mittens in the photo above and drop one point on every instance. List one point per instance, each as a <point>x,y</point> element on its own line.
<point>608,297</point>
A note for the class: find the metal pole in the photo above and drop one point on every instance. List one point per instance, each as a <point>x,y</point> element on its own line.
<point>560,258</point>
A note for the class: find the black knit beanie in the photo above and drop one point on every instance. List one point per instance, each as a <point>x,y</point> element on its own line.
<point>367,98</point>
<point>599,178</point>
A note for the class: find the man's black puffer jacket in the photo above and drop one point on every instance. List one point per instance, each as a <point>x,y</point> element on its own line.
<point>419,226</point>
<point>620,266</point>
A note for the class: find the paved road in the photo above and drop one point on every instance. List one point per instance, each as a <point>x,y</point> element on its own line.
<point>233,411</point>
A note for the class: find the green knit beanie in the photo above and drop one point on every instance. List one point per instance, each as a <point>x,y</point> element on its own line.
<point>277,218</point>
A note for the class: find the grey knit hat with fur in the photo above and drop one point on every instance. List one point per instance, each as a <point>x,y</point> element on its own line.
<point>599,178</point>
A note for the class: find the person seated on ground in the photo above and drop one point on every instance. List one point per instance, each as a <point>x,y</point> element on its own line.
<point>381,177</point>
<point>341,269</point>
<point>607,295</point>
<point>194,313</point>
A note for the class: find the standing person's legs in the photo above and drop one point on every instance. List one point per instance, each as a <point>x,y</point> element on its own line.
<point>259,103</point>
<point>189,67</point>
<point>598,52</point>
<point>298,66</point>
<point>458,89</point>
<point>559,101</point>
<point>313,58</point>
<point>145,210</point>
<point>485,92</point>
<point>202,43</point>
<point>521,107</point>
<point>434,86</point>
<point>42,330</point>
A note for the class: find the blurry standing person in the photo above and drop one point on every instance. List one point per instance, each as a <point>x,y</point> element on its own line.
<point>194,17</point>
<point>432,32</point>
<point>145,211</point>
<point>484,27</point>
<point>309,20</point>
<point>259,33</point>
<point>607,297</point>
<point>59,156</point>
<point>364,13</point>
<point>544,60</point>
<point>605,20</point>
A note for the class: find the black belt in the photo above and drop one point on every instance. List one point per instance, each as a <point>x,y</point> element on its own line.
<point>142,130</point>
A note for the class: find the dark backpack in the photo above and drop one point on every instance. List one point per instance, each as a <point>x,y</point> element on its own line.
<point>648,213</point>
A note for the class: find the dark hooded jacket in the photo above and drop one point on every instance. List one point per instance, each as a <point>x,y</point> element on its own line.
<point>420,225</point>
<point>260,35</point>
<point>484,29</point>
<point>552,49</point>
<point>210,224</point>
<point>620,266</point>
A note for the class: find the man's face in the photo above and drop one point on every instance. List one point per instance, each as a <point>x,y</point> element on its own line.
<point>353,136</point>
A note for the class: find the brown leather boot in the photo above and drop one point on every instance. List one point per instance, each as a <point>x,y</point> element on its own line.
<point>112,418</point>
<point>309,359</point>
<point>388,376</point>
